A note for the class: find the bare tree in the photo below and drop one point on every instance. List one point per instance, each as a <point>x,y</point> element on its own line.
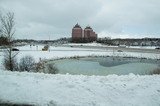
<point>8,30</point>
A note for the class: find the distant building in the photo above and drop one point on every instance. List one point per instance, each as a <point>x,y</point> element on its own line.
<point>77,33</point>
<point>80,35</point>
<point>89,34</point>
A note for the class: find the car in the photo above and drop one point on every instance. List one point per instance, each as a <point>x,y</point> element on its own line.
<point>15,49</point>
<point>157,48</point>
<point>122,46</point>
<point>119,51</point>
<point>45,48</point>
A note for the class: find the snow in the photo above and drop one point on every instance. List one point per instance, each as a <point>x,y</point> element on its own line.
<point>143,47</point>
<point>85,44</point>
<point>60,52</point>
<point>79,90</point>
<point>102,45</point>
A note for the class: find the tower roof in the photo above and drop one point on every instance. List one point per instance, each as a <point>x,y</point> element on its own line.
<point>77,26</point>
<point>88,27</point>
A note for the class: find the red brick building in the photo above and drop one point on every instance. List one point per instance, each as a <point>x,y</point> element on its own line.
<point>80,35</point>
<point>89,34</point>
<point>77,33</point>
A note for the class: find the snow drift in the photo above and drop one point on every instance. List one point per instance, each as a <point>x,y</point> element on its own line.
<point>79,90</point>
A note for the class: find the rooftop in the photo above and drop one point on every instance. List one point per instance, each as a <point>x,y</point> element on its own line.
<point>88,27</point>
<point>77,26</point>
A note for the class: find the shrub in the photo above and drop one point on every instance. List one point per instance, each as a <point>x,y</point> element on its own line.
<point>52,69</point>
<point>156,71</point>
<point>10,64</point>
<point>27,63</point>
<point>39,66</point>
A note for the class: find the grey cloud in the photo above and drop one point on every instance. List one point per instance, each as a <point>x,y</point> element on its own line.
<point>42,18</point>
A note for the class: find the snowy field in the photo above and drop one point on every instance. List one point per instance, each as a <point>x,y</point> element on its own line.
<point>60,51</point>
<point>78,90</point>
<point>101,45</point>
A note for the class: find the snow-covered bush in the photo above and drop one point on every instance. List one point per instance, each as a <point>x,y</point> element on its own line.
<point>52,69</point>
<point>43,66</point>
<point>156,71</point>
<point>10,63</point>
<point>39,66</point>
<point>27,63</point>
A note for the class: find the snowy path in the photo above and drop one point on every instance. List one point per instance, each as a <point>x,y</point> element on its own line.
<point>79,90</point>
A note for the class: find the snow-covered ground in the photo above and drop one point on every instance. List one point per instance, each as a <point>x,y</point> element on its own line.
<point>85,44</point>
<point>101,45</point>
<point>78,90</point>
<point>143,47</point>
<point>59,52</point>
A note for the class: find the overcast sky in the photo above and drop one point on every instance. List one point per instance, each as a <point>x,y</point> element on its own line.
<point>41,19</point>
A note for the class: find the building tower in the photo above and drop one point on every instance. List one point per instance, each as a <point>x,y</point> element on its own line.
<point>77,33</point>
<point>89,34</point>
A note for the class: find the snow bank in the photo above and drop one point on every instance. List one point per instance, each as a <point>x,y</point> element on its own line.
<point>85,44</point>
<point>143,47</point>
<point>102,45</point>
<point>78,90</point>
<point>44,89</point>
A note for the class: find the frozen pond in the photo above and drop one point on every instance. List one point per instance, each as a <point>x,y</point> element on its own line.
<point>106,66</point>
